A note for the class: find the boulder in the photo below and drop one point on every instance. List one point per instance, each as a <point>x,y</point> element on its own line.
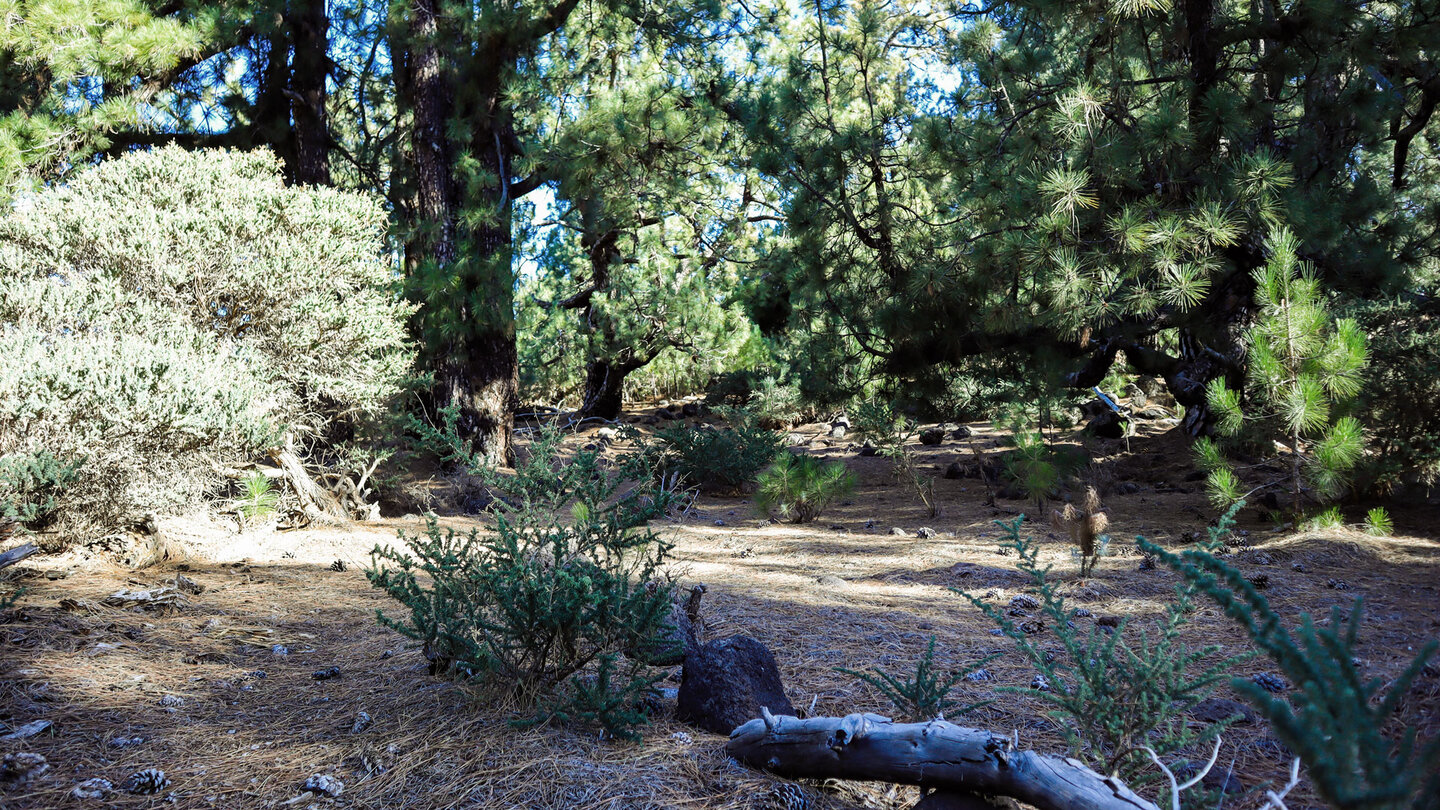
<point>932,436</point>
<point>665,414</point>
<point>961,432</point>
<point>955,471</point>
<point>1106,425</point>
<point>726,682</point>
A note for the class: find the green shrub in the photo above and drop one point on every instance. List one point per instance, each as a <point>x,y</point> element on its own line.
<point>32,487</point>
<point>724,459</point>
<point>800,487</point>
<point>925,694</point>
<point>1112,693</point>
<point>1335,720</point>
<point>543,607</point>
<point>169,302</point>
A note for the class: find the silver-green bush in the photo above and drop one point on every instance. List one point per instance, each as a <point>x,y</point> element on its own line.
<point>172,309</point>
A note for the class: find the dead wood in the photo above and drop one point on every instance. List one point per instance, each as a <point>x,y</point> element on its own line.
<point>17,554</point>
<point>936,754</point>
<point>317,503</point>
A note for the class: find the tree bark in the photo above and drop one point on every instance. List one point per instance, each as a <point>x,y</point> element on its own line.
<point>936,755</point>
<point>309,69</point>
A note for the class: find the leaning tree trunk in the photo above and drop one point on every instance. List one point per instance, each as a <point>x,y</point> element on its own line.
<point>604,390</point>
<point>937,755</point>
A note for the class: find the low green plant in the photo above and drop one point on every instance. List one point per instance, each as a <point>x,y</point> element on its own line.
<point>800,487</point>
<point>878,425</point>
<point>543,607</point>
<point>32,487</point>
<point>1338,722</point>
<point>1033,467</point>
<point>1378,522</point>
<point>1328,519</point>
<point>925,694</point>
<point>1112,694</point>
<point>776,404</point>
<point>258,499</point>
<point>718,459</point>
<point>1304,368</point>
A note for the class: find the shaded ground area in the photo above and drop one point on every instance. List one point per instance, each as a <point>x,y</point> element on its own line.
<point>201,691</point>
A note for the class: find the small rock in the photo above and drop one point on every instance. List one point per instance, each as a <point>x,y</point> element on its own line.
<point>362,722</point>
<point>146,782</point>
<point>1127,488</point>
<point>831,581</point>
<point>326,674</point>
<point>1039,683</point>
<point>719,522</point>
<point>1083,613</point>
<point>664,414</point>
<point>325,785</point>
<point>682,738</point>
<point>387,654</point>
<point>961,432</point>
<point>279,649</point>
<point>690,410</point>
<point>1337,584</point>
<point>932,436</point>
<point>899,532</point>
<point>954,471</point>
<point>1108,621</point>
<point>92,789</point>
<point>606,435</point>
<point>866,451</point>
<point>838,430</point>
<point>1299,568</point>
<point>925,533</point>
<point>997,632</point>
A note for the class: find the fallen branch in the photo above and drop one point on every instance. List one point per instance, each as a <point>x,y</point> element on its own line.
<point>17,554</point>
<point>936,755</point>
<point>317,503</point>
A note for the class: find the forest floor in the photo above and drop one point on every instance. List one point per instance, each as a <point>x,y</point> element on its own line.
<point>201,690</point>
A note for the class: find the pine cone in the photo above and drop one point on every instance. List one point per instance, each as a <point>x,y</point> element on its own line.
<point>147,782</point>
<point>338,565</point>
<point>787,796</point>
<point>1270,682</point>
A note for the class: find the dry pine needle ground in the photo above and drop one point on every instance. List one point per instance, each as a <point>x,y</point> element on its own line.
<point>199,691</point>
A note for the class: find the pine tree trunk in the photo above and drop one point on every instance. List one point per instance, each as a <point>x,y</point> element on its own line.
<point>309,68</point>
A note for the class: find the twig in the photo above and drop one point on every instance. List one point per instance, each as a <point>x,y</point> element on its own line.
<point>1175,786</point>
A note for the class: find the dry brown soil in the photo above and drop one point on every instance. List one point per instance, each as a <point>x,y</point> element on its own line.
<point>197,691</point>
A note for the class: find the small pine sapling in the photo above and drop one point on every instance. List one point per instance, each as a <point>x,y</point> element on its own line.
<point>1033,467</point>
<point>1378,522</point>
<point>1086,526</point>
<point>799,487</point>
<point>1303,366</point>
<point>924,695</point>
<point>1335,719</point>
<point>1111,694</point>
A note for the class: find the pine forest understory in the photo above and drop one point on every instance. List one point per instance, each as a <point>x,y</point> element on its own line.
<point>783,404</point>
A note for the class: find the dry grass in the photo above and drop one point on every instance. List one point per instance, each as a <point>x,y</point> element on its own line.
<point>238,739</point>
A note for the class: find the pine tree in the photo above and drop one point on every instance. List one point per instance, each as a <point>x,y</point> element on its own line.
<point>1053,183</point>
<point>1302,364</point>
<point>75,72</point>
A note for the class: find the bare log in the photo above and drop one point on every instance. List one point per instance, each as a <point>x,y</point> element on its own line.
<point>17,554</point>
<point>936,754</point>
<point>318,504</point>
